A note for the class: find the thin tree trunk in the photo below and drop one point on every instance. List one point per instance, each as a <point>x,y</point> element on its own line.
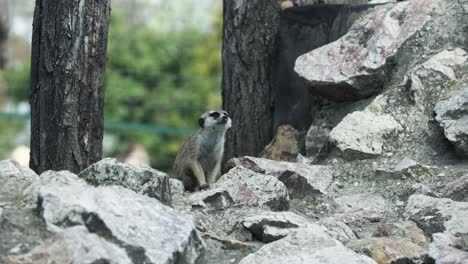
<point>249,40</point>
<point>67,83</point>
<point>4,28</point>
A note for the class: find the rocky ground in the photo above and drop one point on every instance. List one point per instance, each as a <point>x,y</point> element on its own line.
<point>380,177</point>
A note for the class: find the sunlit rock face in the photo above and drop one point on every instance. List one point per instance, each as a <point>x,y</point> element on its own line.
<point>355,66</point>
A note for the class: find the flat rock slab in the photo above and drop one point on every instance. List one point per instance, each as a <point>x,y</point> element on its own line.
<point>386,250</point>
<point>149,231</point>
<point>458,189</point>
<point>73,245</point>
<point>14,181</point>
<point>250,188</point>
<point>362,134</point>
<point>354,66</point>
<point>300,179</point>
<point>305,246</point>
<point>436,215</point>
<point>448,249</point>
<point>452,115</point>
<point>142,180</point>
<point>271,226</point>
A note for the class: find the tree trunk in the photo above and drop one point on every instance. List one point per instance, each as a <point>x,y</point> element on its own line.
<point>4,28</point>
<point>249,40</point>
<point>67,83</point>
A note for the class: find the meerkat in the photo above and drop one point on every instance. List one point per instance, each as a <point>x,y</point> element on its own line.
<point>198,162</point>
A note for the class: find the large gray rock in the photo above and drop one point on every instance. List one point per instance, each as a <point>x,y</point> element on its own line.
<point>248,187</point>
<point>452,115</point>
<point>14,181</point>
<point>354,66</point>
<point>142,180</point>
<point>435,215</point>
<point>448,249</point>
<point>21,229</point>
<point>271,226</point>
<point>386,250</point>
<point>306,245</point>
<point>362,134</point>
<point>458,189</point>
<point>149,231</point>
<point>73,245</point>
<point>406,169</point>
<point>338,229</point>
<point>300,179</point>
<point>316,141</point>
<point>407,230</point>
<point>438,69</point>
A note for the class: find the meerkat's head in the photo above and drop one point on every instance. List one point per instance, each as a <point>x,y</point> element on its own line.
<point>215,120</point>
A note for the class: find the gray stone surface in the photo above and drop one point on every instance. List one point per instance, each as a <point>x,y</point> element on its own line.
<point>14,180</point>
<point>73,245</point>
<point>148,230</point>
<point>306,245</point>
<point>337,229</point>
<point>361,134</point>
<point>448,249</point>
<point>271,226</point>
<point>142,180</point>
<point>457,190</point>
<point>244,185</point>
<point>436,215</point>
<point>452,115</point>
<point>354,65</point>
<point>387,250</point>
<point>407,229</point>
<point>300,179</point>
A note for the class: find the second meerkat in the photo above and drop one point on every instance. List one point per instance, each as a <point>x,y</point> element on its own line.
<point>198,162</point>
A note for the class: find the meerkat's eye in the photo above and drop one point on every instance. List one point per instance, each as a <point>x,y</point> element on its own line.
<point>215,115</point>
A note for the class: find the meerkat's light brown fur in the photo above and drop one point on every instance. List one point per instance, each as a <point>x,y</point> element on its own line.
<point>199,159</point>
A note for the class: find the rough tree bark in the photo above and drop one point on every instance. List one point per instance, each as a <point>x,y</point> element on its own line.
<point>3,32</point>
<point>249,37</point>
<point>67,75</point>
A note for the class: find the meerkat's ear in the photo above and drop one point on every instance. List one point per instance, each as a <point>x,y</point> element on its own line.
<point>201,122</point>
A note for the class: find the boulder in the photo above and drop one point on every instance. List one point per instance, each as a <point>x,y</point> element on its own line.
<point>271,226</point>
<point>250,188</point>
<point>149,231</point>
<point>436,215</point>
<point>386,250</point>
<point>448,249</point>
<point>142,180</point>
<point>220,198</point>
<point>14,181</point>
<point>21,229</point>
<point>306,245</point>
<point>457,190</point>
<point>452,115</point>
<point>73,245</point>
<point>362,134</point>
<point>406,169</point>
<point>354,66</point>
<point>407,230</point>
<point>337,229</point>
<point>316,141</point>
<point>301,180</point>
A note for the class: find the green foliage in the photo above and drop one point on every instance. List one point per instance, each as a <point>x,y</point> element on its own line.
<point>160,78</point>
<point>17,80</point>
<point>165,78</point>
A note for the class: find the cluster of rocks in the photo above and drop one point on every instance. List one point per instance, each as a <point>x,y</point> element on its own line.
<point>380,177</point>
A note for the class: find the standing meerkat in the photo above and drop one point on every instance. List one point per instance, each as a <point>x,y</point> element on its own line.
<point>198,162</point>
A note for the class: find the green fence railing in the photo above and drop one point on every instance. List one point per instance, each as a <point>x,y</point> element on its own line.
<point>116,126</point>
